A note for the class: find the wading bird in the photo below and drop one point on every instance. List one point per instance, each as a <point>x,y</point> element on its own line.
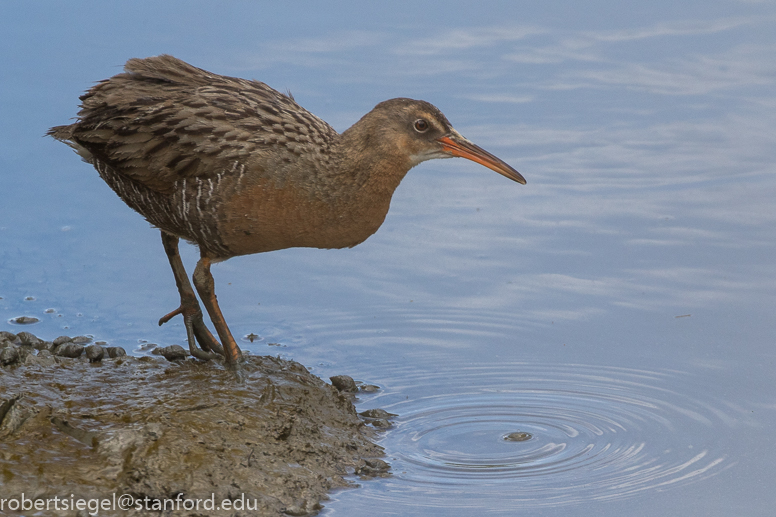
<point>236,168</point>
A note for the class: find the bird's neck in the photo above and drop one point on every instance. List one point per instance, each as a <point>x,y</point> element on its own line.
<point>369,161</point>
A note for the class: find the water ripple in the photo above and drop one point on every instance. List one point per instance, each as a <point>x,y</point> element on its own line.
<point>588,433</point>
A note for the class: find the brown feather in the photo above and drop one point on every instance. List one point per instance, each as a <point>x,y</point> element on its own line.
<point>238,167</point>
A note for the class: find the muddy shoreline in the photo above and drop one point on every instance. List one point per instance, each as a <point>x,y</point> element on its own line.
<point>81,421</point>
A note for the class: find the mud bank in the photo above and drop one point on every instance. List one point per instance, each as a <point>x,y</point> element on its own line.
<point>165,432</point>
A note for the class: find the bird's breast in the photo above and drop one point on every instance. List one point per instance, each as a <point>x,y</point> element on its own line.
<point>265,216</point>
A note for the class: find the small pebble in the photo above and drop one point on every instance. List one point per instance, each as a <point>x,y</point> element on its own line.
<point>518,436</point>
<point>8,335</point>
<point>377,413</point>
<point>377,464</point>
<point>9,356</point>
<point>115,351</point>
<point>94,353</point>
<point>368,388</point>
<point>172,352</point>
<point>29,339</point>
<point>380,423</point>
<point>45,345</point>
<point>379,418</point>
<point>343,383</point>
<point>72,350</point>
<point>62,339</point>
<point>25,320</point>
<point>372,468</point>
<point>24,352</point>
<point>40,360</point>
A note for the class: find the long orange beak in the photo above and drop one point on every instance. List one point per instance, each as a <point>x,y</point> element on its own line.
<point>457,145</point>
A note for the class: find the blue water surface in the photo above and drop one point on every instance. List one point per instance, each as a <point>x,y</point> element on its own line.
<point>619,307</point>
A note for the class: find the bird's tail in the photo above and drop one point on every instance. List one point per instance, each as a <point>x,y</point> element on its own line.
<point>65,134</point>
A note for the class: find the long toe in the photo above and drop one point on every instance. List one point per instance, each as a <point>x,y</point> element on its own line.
<point>205,338</point>
<point>170,315</point>
<point>193,349</point>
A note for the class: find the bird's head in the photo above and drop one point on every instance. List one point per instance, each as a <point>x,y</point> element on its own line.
<point>420,132</point>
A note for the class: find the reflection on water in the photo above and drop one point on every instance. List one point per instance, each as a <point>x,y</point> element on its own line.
<point>596,433</point>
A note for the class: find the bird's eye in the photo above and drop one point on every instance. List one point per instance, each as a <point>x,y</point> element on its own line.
<point>421,126</point>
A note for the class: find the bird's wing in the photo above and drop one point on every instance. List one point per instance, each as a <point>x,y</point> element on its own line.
<point>163,120</point>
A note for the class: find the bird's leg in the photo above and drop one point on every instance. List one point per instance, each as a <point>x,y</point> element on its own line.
<point>205,285</point>
<point>189,308</point>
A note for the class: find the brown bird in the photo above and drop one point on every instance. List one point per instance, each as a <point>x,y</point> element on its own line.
<point>236,168</point>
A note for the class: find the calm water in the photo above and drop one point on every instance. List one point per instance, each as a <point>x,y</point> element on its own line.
<point>619,308</point>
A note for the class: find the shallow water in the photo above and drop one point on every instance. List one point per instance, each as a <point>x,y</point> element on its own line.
<point>586,433</point>
<point>618,308</point>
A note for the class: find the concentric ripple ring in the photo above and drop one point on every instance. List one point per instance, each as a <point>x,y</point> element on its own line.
<point>586,432</point>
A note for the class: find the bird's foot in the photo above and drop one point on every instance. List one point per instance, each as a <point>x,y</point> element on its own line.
<point>205,338</point>
<point>202,355</point>
<point>197,332</point>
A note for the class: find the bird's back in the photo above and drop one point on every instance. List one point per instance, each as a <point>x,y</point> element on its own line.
<point>164,120</point>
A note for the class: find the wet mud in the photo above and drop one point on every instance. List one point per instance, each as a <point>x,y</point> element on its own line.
<point>89,422</point>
